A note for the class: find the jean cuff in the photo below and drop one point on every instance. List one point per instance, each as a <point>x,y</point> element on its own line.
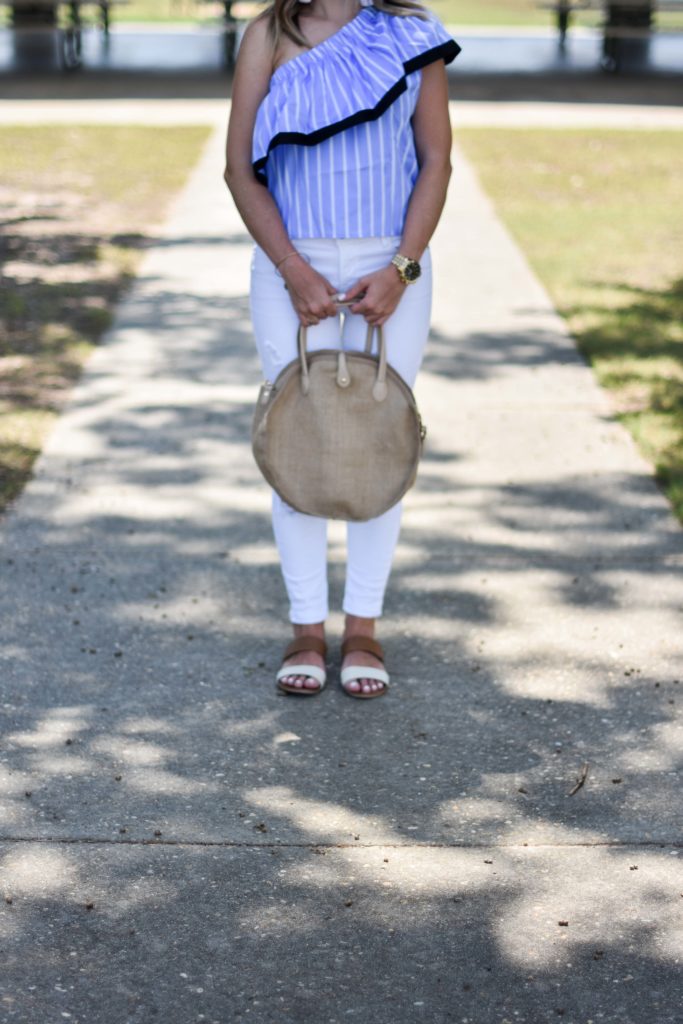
<point>307,615</point>
<point>363,609</point>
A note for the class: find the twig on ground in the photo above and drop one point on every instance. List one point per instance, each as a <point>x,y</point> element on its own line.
<point>581,778</point>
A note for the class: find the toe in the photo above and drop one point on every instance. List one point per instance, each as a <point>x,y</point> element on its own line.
<point>372,685</point>
<point>298,682</point>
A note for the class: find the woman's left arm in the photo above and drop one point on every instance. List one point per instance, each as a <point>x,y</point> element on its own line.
<point>433,141</point>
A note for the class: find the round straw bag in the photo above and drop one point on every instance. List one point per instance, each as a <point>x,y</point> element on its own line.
<point>338,433</point>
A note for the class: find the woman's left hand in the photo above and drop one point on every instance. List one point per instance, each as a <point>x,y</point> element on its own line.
<point>383,290</point>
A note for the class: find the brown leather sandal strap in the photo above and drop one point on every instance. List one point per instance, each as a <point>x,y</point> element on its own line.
<point>305,643</point>
<point>362,643</point>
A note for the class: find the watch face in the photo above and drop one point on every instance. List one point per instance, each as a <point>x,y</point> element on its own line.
<point>412,270</point>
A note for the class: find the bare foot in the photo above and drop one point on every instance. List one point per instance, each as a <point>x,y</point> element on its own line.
<point>300,682</point>
<point>357,626</point>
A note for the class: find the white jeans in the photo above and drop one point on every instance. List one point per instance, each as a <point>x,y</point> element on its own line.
<point>302,539</point>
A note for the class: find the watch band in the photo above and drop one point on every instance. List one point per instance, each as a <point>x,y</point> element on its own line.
<point>408,269</point>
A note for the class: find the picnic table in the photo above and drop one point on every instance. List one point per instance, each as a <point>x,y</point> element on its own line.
<point>64,17</point>
<point>625,22</point>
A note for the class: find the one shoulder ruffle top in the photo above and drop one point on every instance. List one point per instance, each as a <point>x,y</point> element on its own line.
<point>332,138</point>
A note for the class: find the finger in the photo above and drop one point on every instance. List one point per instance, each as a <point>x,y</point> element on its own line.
<point>356,289</point>
<point>329,287</point>
<point>323,312</point>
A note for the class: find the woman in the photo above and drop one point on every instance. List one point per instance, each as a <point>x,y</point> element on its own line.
<point>338,160</point>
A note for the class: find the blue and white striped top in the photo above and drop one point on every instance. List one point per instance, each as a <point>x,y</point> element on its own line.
<point>332,139</point>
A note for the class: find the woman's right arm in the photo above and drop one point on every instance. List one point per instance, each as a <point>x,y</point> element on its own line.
<point>310,292</point>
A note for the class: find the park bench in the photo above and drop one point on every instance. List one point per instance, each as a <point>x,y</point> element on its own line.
<point>625,21</point>
<point>65,18</point>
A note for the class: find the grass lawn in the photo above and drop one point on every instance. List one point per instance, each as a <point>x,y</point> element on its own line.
<point>524,12</point>
<point>78,204</point>
<point>167,10</point>
<point>493,12</point>
<point>462,12</point>
<point>454,12</point>
<point>179,11</point>
<point>599,215</point>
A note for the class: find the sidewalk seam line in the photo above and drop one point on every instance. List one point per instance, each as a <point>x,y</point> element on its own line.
<point>228,843</point>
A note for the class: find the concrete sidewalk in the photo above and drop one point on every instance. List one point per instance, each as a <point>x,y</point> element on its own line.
<point>512,114</point>
<point>179,843</point>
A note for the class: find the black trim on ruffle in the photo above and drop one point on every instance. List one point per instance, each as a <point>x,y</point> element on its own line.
<point>448,50</point>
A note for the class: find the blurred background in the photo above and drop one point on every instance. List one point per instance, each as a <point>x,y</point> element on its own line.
<point>521,36</point>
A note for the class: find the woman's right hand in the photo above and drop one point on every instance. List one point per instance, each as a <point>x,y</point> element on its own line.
<point>310,292</point>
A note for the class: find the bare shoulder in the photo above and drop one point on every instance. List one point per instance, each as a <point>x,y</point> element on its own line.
<point>256,46</point>
<point>250,84</point>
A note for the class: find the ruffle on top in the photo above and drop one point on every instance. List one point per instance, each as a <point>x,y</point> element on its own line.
<point>349,78</point>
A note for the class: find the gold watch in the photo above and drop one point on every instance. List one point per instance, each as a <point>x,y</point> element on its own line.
<point>408,270</point>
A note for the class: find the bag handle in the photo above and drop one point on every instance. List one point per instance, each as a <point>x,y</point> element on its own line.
<point>379,390</point>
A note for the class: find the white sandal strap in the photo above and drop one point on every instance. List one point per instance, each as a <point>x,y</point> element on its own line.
<point>313,671</point>
<point>363,672</point>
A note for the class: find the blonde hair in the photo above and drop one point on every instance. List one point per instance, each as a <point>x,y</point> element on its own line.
<point>283,17</point>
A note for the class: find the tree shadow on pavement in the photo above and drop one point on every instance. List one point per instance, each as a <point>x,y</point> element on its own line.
<point>203,848</point>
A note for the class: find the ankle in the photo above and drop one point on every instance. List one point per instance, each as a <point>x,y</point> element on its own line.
<point>356,625</point>
<point>312,629</point>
